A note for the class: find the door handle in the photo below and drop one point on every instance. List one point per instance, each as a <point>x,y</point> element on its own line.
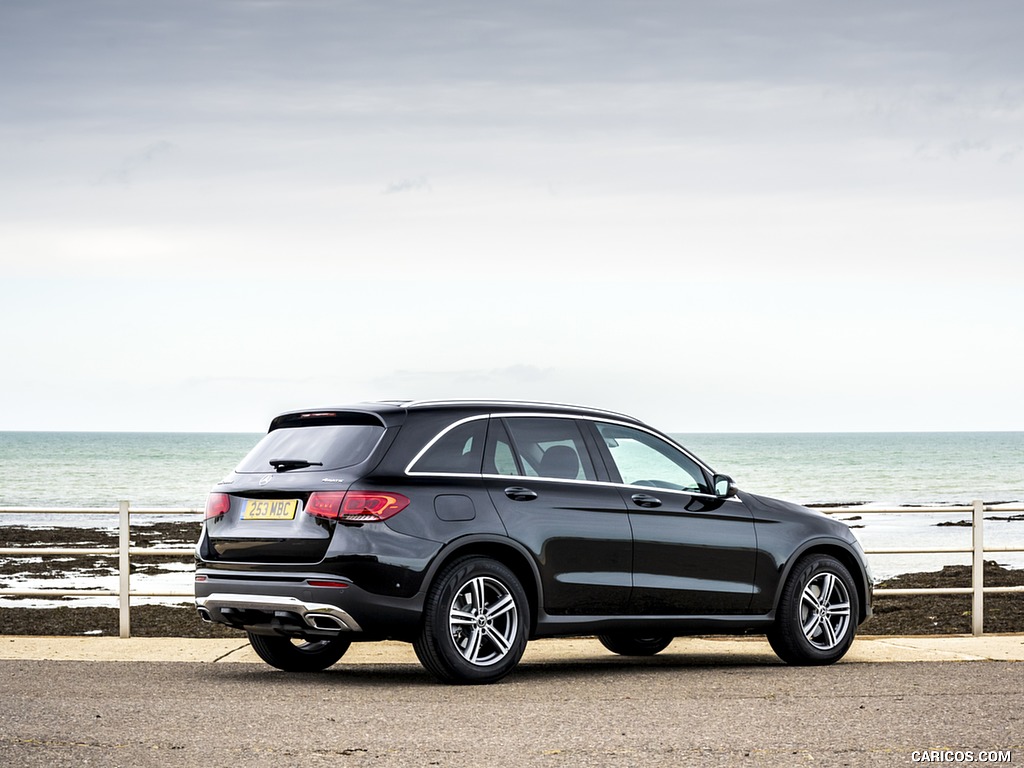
<point>646,500</point>
<point>520,494</point>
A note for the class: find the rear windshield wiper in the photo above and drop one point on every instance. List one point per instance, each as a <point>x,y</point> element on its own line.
<point>283,465</point>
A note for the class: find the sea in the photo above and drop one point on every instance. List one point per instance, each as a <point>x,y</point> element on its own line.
<point>871,470</point>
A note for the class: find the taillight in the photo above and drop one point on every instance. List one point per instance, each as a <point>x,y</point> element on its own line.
<point>356,506</point>
<point>372,505</point>
<point>217,504</point>
<point>325,504</point>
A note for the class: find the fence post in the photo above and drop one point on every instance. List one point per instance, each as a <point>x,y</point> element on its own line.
<point>124,568</point>
<point>978,570</point>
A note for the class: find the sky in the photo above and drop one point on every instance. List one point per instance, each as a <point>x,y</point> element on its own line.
<point>716,216</point>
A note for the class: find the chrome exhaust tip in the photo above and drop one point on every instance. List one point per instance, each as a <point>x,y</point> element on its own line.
<point>323,621</point>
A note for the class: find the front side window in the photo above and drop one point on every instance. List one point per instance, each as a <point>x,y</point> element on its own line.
<point>551,448</point>
<point>644,459</point>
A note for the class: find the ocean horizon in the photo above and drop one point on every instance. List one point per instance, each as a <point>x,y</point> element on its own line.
<point>867,469</point>
<point>177,469</point>
<point>863,469</point>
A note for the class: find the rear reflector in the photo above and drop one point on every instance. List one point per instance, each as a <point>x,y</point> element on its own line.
<point>356,506</point>
<point>335,584</point>
<point>217,504</point>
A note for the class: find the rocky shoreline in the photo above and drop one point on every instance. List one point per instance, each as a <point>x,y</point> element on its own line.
<point>894,615</point>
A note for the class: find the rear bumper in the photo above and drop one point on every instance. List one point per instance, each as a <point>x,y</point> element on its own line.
<point>296,605</point>
<point>255,611</point>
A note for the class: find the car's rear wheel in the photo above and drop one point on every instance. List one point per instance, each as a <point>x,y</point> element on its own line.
<point>816,619</point>
<point>298,655</point>
<point>475,623</point>
<point>635,645</point>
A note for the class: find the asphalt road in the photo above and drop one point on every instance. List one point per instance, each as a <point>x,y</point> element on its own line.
<point>661,711</point>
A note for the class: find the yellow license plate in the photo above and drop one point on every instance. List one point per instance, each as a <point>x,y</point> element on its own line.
<point>270,509</point>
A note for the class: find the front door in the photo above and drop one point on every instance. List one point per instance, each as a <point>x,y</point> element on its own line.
<point>693,553</point>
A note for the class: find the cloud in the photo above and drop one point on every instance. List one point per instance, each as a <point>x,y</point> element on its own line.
<point>128,169</point>
<point>418,184</point>
<point>1007,156</point>
<point>719,167</point>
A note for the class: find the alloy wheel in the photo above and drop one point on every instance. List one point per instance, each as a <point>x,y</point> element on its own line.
<point>483,621</point>
<point>825,611</point>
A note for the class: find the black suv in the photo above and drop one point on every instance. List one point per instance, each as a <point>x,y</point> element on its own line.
<point>470,527</point>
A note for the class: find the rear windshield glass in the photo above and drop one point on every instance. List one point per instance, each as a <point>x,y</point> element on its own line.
<point>309,449</point>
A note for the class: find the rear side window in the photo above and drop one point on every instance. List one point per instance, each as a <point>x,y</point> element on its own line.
<point>313,448</point>
<point>550,448</point>
<point>458,451</point>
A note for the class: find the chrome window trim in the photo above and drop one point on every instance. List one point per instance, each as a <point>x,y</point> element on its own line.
<point>516,414</point>
<point>599,483</point>
<point>430,444</point>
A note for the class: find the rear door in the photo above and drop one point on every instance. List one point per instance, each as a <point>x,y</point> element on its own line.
<point>544,482</point>
<point>693,553</point>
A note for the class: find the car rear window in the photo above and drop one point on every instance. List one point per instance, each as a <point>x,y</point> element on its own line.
<point>325,447</point>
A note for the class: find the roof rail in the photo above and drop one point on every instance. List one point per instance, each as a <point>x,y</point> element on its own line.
<point>500,402</point>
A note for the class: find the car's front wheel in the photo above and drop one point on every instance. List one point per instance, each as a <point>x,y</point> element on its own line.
<point>816,619</point>
<point>634,645</point>
<point>298,655</point>
<point>475,623</point>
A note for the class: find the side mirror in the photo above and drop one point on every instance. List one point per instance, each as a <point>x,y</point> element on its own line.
<point>725,488</point>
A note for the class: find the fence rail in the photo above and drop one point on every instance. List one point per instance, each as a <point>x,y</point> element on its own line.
<point>977,550</point>
<point>124,551</point>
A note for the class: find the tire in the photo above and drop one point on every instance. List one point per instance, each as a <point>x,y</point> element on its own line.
<point>635,645</point>
<point>816,619</point>
<point>476,621</point>
<point>297,655</point>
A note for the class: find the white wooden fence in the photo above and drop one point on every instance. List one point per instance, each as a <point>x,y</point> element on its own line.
<point>977,550</point>
<point>124,551</point>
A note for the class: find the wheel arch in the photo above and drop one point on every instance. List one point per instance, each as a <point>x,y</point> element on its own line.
<point>844,554</point>
<point>508,553</point>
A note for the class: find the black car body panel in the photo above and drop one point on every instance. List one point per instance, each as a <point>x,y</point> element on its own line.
<point>607,525</point>
<point>788,531</point>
